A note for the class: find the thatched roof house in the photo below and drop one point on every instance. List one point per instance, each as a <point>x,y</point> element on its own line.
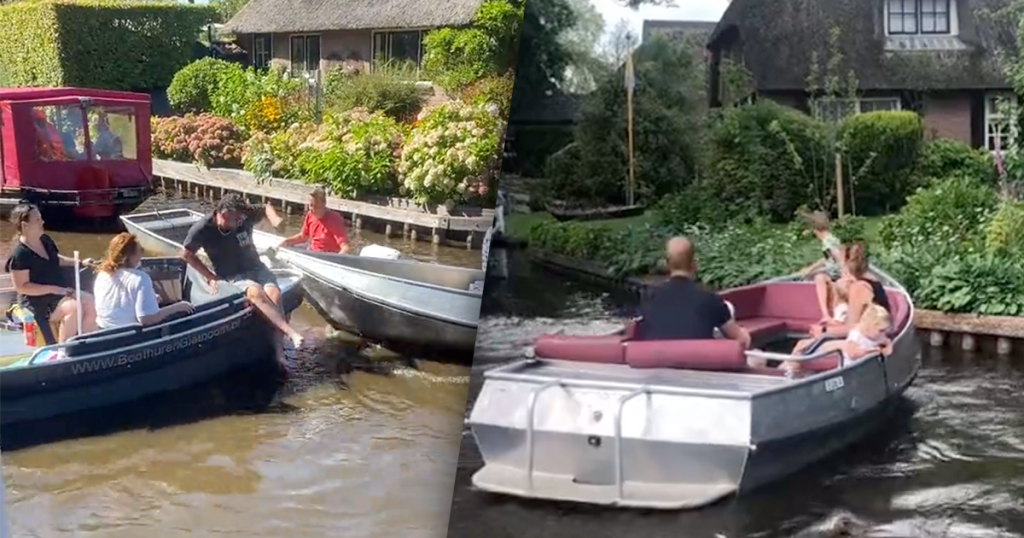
<point>938,57</point>
<point>306,35</point>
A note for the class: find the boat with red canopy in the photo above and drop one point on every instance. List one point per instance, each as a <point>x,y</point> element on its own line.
<point>75,152</point>
<point>682,424</point>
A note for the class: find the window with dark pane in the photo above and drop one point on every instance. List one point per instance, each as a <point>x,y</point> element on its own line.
<point>934,16</point>
<point>902,16</point>
<point>298,58</point>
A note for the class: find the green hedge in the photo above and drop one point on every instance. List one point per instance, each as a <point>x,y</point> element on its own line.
<point>882,151</point>
<point>125,45</point>
<point>766,159</point>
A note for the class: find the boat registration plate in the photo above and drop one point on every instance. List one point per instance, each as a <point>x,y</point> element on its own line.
<point>834,384</point>
<point>131,193</point>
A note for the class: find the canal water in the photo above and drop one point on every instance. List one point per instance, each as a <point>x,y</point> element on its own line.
<point>350,446</point>
<point>950,464</point>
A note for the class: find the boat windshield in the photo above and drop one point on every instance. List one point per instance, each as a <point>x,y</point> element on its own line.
<point>60,132</point>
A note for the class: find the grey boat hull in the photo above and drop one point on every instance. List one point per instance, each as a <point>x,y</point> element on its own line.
<point>661,438</point>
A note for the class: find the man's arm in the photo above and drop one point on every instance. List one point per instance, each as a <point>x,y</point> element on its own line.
<point>337,228</point>
<point>194,242</point>
<point>258,212</point>
<point>730,329</point>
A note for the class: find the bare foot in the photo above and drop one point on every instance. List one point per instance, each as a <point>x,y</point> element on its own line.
<point>297,340</point>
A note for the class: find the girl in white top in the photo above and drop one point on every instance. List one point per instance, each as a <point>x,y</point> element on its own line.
<point>867,338</point>
<point>124,293</point>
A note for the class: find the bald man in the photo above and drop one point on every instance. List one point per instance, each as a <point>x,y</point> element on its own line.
<point>680,309</point>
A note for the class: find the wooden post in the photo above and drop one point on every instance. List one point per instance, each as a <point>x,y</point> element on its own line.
<point>387,230</point>
<point>630,84</point>
<point>840,194</point>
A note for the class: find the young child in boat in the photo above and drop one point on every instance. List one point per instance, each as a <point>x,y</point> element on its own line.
<point>840,309</point>
<point>830,264</point>
<point>867,338</point>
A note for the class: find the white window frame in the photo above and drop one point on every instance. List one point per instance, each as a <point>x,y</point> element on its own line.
<point>998,123</point>
<point>387,45</point>
<point>952,21</point>
<point>291,61</point>
<point>266,55</point>
<point>858,105</point>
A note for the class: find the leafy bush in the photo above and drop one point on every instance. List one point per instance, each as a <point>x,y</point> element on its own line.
<point>945,157</point>
<point>950,211</point>
<point>491,90</point>
<point>698,203</point>
<point>351,154</point>
<point>449,152</point>
<point>203,139</point>
<point>1004,234</point>
<point>261,101</point>
<point>975,283</point>
<point>192,87</point>
<point>882,150</point>
<point>397,98</point>
<point>121,45</point>
<point>768,159</point>
<point>354,154</point>
<point>457,57</point>
<point>725,253</point>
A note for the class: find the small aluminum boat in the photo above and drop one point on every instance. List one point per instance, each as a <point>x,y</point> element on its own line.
<point>123,364</point>
<point>421,308</point>
<point>682,424</point>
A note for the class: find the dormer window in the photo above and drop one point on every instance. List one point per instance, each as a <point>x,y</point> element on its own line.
<point>919,17</point>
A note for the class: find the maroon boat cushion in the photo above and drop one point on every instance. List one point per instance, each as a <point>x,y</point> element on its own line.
<point>762,326</point>
<point>714,355</point>
<point>600,349</point>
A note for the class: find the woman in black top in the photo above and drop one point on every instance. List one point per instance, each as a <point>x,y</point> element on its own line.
<point>36,267</point>
<point>863,289</point>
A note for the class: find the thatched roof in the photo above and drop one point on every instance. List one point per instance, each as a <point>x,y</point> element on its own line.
<point>700,29</point>
<point>286,16</point>
<point>776,38</point>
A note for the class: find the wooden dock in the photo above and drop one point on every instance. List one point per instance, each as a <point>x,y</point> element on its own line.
<point>391,216</point>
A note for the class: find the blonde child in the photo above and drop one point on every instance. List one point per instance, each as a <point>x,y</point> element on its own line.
<point>866,338</point>
<point>840,309</point>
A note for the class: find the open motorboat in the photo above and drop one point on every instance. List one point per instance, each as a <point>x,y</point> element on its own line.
<point>123,364</point>
<point>682,424</point>
<point>423,308</point>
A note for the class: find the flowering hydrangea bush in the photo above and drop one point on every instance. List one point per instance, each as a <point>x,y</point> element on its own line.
<point>277,154</point>
<point>203,139</point>
<point>449,152</point>
<point>352,153</point>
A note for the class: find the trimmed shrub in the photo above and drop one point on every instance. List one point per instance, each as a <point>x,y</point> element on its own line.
<point>397,98</point>
<point>121,45</point>
<point>881,149</point>
<point>194,85</point>
<point>202,139</point>
<point>945,157</point>
<point>767,159</point>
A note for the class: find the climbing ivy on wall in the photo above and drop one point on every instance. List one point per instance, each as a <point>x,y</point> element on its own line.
<point>98,43</point>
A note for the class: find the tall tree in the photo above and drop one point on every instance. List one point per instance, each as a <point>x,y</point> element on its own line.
<point>581,41</point>
<point>619,42</point>
<point>543,57</point>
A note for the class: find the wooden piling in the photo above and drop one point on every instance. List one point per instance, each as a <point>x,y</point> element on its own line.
<point>968,342</point>
<point>937,338</point>
<point>1004,346</point>
<point>387,230</point>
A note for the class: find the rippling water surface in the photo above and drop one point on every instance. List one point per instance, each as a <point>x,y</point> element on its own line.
<point>950,464</point>
<point>351,446</point>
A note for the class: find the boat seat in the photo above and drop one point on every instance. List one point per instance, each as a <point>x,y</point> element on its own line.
<point>597,349</point>
<point>103,340</point>
<point>711,355</point>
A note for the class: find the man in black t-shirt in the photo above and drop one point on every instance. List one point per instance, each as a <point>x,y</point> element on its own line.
<point>226,237</point>
<point>680,309</point>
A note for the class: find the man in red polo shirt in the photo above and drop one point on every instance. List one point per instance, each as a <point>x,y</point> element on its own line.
<point>323,228</point>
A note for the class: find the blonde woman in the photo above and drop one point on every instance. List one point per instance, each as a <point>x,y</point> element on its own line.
<point>125,294</point>
<point>866,338</point>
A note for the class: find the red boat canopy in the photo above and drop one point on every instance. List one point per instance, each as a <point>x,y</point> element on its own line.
<point>73,139</point>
